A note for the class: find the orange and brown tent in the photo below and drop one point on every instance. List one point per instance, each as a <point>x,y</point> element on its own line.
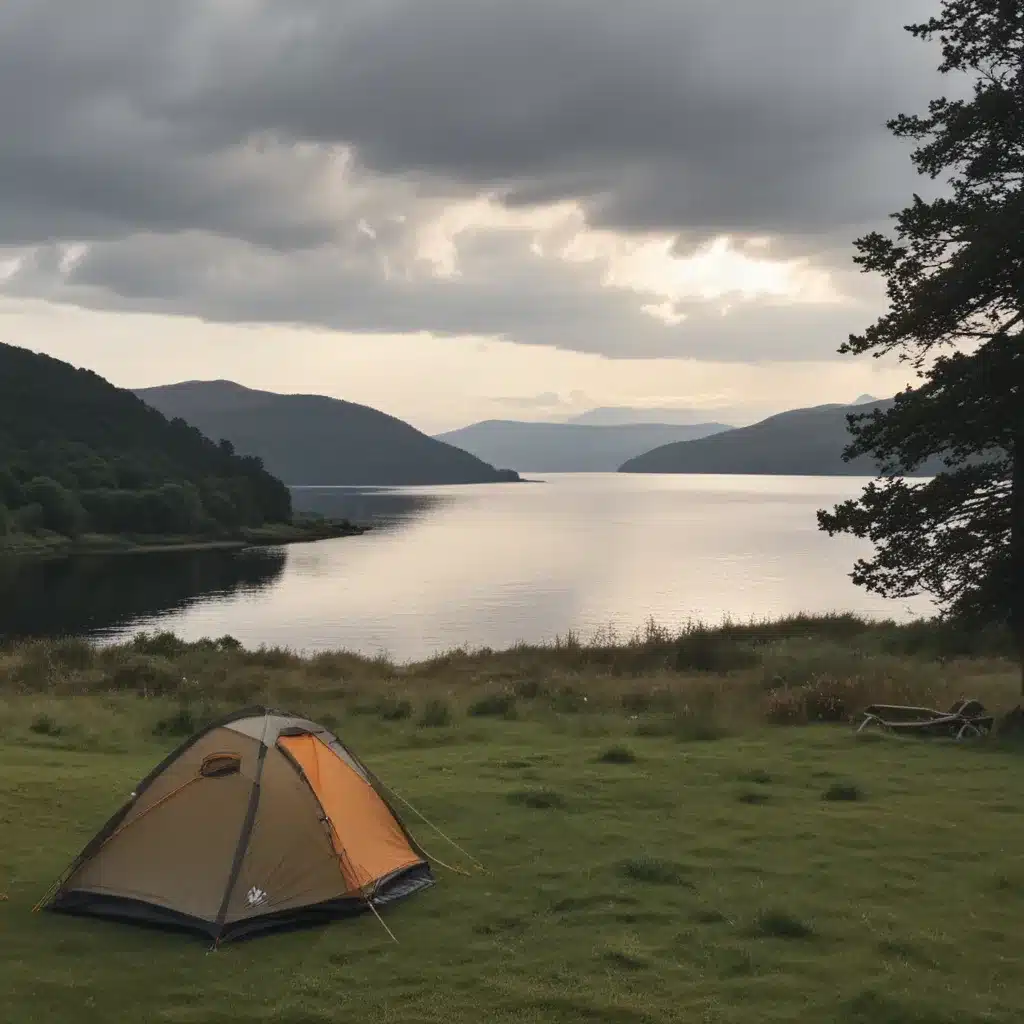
<point>259,821</point>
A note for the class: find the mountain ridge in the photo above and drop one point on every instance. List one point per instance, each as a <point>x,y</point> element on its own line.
<point>799,442</point>
<point>555,447</point>
<point>311,439</point>
<point>621,415</point>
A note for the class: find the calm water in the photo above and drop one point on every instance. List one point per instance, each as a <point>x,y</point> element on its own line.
<point>480,566</point>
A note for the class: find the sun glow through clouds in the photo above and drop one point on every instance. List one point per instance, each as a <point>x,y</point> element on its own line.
<point>723,270</point>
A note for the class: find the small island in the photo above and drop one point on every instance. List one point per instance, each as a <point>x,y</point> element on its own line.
<point>86,467</point>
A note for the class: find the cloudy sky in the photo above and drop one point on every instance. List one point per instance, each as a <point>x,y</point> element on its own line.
<point>455,210</point>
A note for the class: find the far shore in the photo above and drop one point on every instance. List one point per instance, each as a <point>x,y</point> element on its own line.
<point>24,546</point>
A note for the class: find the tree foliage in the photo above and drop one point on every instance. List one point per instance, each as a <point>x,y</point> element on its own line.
<point>955,282</point>
<point>79,455</point>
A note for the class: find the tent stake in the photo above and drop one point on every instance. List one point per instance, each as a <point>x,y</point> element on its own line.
<point>369,903</point>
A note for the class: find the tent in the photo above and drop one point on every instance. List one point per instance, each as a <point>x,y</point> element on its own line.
<point>259,821</point>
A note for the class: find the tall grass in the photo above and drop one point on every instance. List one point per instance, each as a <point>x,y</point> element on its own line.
<point>697,683</point>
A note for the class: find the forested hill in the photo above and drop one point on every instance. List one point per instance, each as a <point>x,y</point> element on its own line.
<point>78,455</point>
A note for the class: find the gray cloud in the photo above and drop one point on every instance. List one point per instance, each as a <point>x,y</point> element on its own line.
<point>502,290</point>
<point>196,143</point>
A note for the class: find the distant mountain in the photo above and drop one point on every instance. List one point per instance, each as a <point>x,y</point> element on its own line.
<point>616,416</point>
<point>568,447</point>
<point>803,442</point>
<point>865,398</point>
<point>313,439</point>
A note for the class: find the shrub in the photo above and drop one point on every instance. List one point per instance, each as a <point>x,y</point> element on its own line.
<point>625,959</point>
<point>795,663</point>
<point>393,709</point>
<point>34,670</point>
<point>498,705</point>
<point>942,640</point>
<point>654,728</point>
<point>150,676</point>
<point>785,707</point>
<point>528,689</point>
<point>72,654</point>
<point>779,924</point>
<point>700,650</point>
<point>243,690</point>
<point>653,699</point>
<point>617,755</point>
<point>843,791</point>
<point>825,699</point>
<point>654,871</point>
<point>538,799</point>
<point>272,657</point>
<point>568,700</point>
<point>752,796</point>
<point>828,700</point>
<point>708,915</point>
<point>691,726</point>
<point>436,714</point>
<point>181,723</point>
<point>390,709</point>
<point>44,725</point>
<point>163,645</point>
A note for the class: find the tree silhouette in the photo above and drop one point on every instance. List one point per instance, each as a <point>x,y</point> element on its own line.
<point>955,282</point>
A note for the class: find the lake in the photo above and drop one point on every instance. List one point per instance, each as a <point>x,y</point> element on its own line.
<point>485,565</point>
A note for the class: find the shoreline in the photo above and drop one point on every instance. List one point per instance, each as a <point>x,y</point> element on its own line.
<point>23,548</point>
<point>802,669</point>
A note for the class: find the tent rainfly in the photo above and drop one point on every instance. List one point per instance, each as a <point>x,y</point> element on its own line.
<point>262,820</point>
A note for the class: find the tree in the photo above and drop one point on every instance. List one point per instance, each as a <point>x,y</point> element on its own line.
<point>62,512</point>
<point>955,282</point>
<point>10,489</point>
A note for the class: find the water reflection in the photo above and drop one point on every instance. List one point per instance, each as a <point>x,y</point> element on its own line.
<point>379,507</point>
<point>90,594</point>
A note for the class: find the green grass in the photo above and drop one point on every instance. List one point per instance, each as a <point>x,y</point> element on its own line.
<point>615,891</point>
<point>675,828</point>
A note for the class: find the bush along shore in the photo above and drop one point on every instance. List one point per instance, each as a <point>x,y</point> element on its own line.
<point>798,670</point>
<point>49,544</point>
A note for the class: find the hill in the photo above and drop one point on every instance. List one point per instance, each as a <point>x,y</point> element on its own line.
<point>316,440</point>
<point>621,415</point>
<point>568,447</point>
<point>80,456</point>
<point>802,442</point>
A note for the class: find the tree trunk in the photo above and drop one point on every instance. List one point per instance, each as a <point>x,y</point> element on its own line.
<point>1017,552</point>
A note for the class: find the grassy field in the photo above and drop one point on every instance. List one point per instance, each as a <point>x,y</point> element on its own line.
<point>663,842</point>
